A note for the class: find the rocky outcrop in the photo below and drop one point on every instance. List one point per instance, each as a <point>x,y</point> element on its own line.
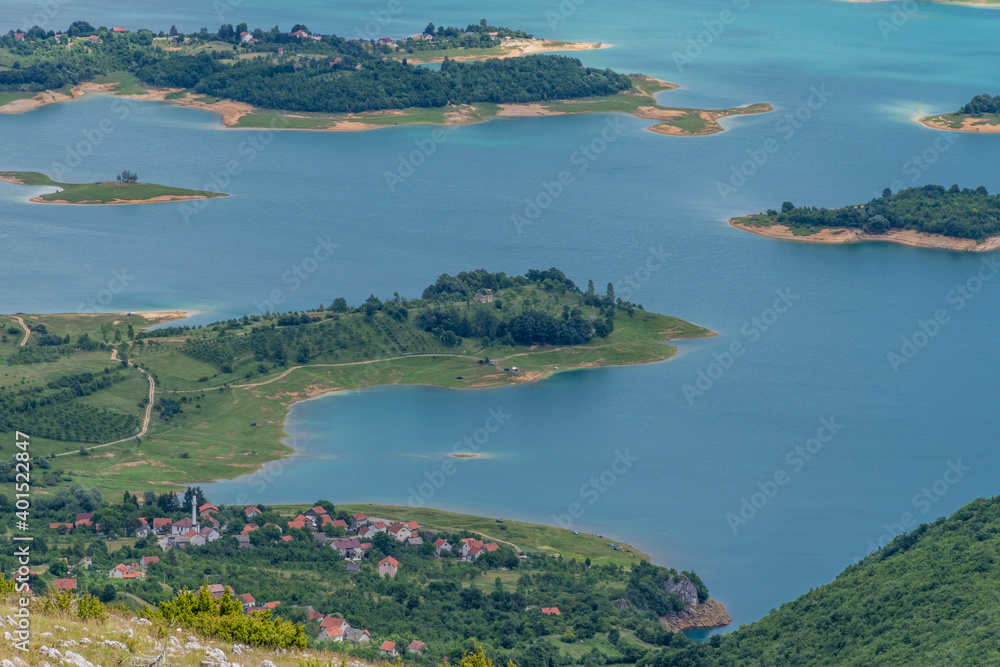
<point>707,614</point>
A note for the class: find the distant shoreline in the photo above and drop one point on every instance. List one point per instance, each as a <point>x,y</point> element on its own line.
<point>973,124</point>
<point>843,235</point>
<point>96,194</point>
<point>638,102</point>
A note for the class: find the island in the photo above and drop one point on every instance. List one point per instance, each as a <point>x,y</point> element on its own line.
<point>981,114</point>
<point>148,395</point>
<point>307,81</point>
<point>125,190</point>
<point>928,217</point>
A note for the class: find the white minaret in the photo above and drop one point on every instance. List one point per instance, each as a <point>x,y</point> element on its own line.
<point>194,509</point>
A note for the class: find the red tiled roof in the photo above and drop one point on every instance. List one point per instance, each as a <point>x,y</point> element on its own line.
<point>332,622</point>
<point>416,646</point>
<point>388,646</point>
<point>271,605</point>
<point>319,510</point>
<point>340,523</point>
<point>246,598</point>
<point>412,525</point>
<point>358,517</point>
<point>65,584</point>
<point>162,523</point>
<point>146,560</point>
<point>551,611</point>
<point>287,538</point>
<point>248,528</point>
<point>392,561</point>
<point>313,615</point>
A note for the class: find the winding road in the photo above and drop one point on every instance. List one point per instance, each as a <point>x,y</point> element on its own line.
<point>27,331</point>
<point>149,408</point>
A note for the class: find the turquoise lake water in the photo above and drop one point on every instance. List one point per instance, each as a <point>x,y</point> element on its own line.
<point>854,87</point>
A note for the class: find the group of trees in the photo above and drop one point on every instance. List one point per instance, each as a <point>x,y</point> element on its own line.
<point>441,601</point>
<point>365,78</point>
<point>127,176</point>
<point>54,411</point>
<point>954,211</point>
<point>982,104</point>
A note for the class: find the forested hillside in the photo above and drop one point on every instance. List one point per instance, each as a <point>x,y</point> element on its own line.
<point>301,72</point>
<point>956,212</point>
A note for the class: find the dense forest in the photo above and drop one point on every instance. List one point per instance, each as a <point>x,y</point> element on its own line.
<point>329,74</point>
<point>982,104</point>
<point>954,211</point>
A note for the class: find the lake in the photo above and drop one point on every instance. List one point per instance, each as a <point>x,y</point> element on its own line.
<point>700,441</point>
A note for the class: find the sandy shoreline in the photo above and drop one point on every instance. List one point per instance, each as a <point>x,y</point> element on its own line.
<point>970,124</point>
<point>902,236</point>
<point>232,111</point>
<point>161,199</point>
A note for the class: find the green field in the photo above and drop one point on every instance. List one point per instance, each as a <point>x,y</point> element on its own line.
<point>102,193</point>
<point>212,437</point>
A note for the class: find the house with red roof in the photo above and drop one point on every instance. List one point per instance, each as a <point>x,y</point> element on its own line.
<point>349,548</point>
<point>65,584</point>
<point>19,35</point>
<point>416,647</point>
<point>246,600</point>
<point>400,532</point>
<point>287,538</point>
<point>249,528</point>
<point>387,567</point>
<point>207,508</point>
<point>56,526</point>
<point>313,615</point>
<point>251,512</point>
<point>145,561</point>
<point>271,605</point>
<point>440,545</point>
<point>388,648</point>
<point>358,520</point>
<point>119,29</point>
<point>84,518</point>
<point>162,526</point>
<point>122,571</point>
<point>300,34</point>
<point>551,611</point>
<point>182,526</point>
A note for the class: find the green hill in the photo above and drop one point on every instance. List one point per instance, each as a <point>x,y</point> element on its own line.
<point>931,597</point>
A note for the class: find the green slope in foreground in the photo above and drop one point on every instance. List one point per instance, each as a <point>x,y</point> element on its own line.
<point>109,192</point>
<point>930,597</point>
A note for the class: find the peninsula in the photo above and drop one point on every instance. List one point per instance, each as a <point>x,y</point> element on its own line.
<point>927,217</point>
<point>981,114</point>
<point>307,81</point>
<point>111,192</point>
<point>181,404</point>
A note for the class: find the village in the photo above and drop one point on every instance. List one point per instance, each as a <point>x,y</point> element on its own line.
<point>351,538</point>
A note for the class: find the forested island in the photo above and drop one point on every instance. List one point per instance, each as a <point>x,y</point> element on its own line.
<point>91,380</point>
<point>930,216</point>
<point>980,114</point>
<point>303,80</point>
<point>126,189</point>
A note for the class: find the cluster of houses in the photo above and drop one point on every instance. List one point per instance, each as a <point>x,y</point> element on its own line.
<point>134,570</point>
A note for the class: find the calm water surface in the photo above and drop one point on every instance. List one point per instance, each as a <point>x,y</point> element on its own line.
<point>694,458</point>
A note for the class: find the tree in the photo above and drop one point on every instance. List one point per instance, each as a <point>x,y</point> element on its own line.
<point>149,498</point>
<point>611,293</point>
<point>118,335</point>
<point>787,206</point>
<point>108,593</point>
<point>299,26</point>
<point>131,332</point>
<point>127,176</point>
<point>173,31</point>
<point>430,29</point>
